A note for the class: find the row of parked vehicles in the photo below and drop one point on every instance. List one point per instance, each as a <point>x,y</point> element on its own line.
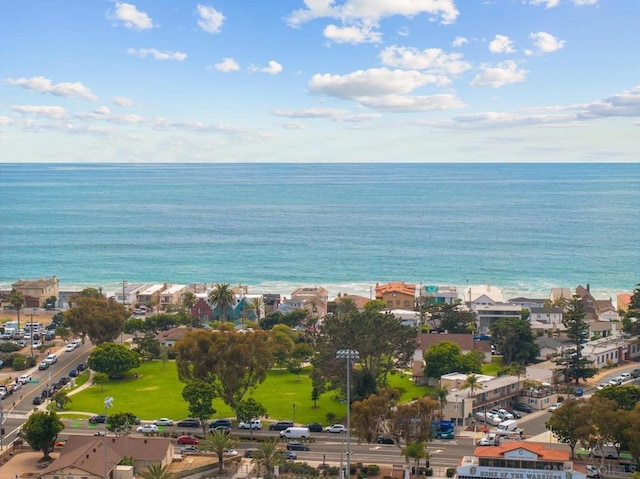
<point>622,378</point>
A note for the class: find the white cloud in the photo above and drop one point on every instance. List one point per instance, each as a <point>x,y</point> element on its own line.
<point>44,85</point>
<point>373,10</point>
<point>122,101</point>
<point>352,34</point>
<point>272,68</point>
<point>585,2</point>
<point>624,104</point>
<point>227,65</point>
<point>433,60</point>
<point>406,104</point>
<point>312,113</point>
<point>102,110</point>
<point>56,112</point>
<point>131,17</point>
<point>292,125</point>
<point>369,83</point>
<point>546,3</point>
<point>500,75</point>
<point>544,43</point>
<point>5,120</point>
<point>210,19</point>
<point>157,54</point>
<point>501,44</point>
<point>459,41</point>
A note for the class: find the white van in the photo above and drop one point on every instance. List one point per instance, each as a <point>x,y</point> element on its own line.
<point>608,450</point>
<point>295,433</point>
<point>508,425</point>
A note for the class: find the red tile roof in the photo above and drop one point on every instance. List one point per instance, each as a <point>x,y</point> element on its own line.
<point>538,448</point>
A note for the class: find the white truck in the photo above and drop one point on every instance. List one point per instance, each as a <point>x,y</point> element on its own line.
<point>508,425</point>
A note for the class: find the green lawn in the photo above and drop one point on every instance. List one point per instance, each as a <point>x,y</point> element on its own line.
<point>492,368</point>
<point>157,393</point>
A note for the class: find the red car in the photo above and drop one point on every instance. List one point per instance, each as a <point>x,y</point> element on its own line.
<point>193,441</point>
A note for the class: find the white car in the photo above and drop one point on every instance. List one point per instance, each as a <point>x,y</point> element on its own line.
<point>163,421</point>
<point>24,379</point>
<point>255,424</point>
<point>625,376</point>
<point>335,428</point>
<point>230,452</point>
<point>69,348</point>
<point>555,406</point>
<point>147,428</point>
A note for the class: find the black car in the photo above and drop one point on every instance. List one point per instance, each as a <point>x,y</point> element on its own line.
<point>280,425</point>
<point>220,422</point>
<point>315,427</point>
<point>224,429</point>
<point>515,414</point>
<point>522,407</point>
<point>99,419</point>
<point>189,422</point>
<point>635,373</point>
<point>37,401</point>
<point>64,380</point>
<point>81,367</point>
<point>251,452</point>
<point>297,446</point>
<point>385,440</point>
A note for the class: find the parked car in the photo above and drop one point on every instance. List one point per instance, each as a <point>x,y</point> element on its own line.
<point>147,428</point>
<point>255,424</point>
<point>297,446</point>
<point>625,376</point>
<point>188,422</point>
<point>37,401</point>
<point>288,455</point>
<point>81,367</point>
<point>555,406</point>
<point>24,379</point>
<point>522,407</point>
<point>51,359</point>
<point>188,449</point>
<point>187,439</point>
<point>516,414</point>
<point>336,428</point>
<point>220,422</point>
<point>635,373</point>
<point>69,348</point>
<point>73,373</point>
<point>602,386</point>
<point>43,365</point>
<point>224,429</point>
<point>98,419</point>
<point>593,472</point>
<point>315,427</point>
<point>280,425</point>
<point>230,452</point>
<point>163,421</point>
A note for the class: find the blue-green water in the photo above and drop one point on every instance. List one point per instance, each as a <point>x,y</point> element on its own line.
<point>524,228</point>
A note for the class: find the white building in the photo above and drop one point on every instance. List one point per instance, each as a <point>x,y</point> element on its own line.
<point>487,314</point>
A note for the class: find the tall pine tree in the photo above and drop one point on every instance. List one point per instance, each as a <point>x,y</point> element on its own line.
<point>575,365</point>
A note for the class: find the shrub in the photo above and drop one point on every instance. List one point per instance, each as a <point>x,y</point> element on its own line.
<point>429,472</point>
<point>9,347</point>
<point>361,475</point>
<point>19,363</point>
<point>450,471</point>
<point>372,470</point>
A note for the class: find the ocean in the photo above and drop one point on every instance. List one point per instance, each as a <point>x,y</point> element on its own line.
<point>522,227</point>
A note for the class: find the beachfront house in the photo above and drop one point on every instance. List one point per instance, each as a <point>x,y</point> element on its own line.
<point>440,294</point>
<point>171,297</point>
<point>129,294</point>
<point>313,299</point>
<point>397,295</point>
<point>151,295</point>
<point>37,291</point>
<point>202,309</point>
<point>487,314</point>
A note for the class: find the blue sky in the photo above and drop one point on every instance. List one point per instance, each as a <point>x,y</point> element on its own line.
<point>320,81</point>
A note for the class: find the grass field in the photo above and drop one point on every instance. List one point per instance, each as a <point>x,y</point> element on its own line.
<point>158,393</point>
<point>492,368</point>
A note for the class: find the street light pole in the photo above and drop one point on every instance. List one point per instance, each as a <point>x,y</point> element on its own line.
<point>108,402</point>
<point>31,330</point>
<point>348,354</point>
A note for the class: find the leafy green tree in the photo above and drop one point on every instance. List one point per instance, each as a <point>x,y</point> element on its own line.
<point>99,318</point>
<point>449,317</point>
<point>41,431</point>
<point>222,298</point>
<point>283,340</point>
<point>382,341</point>
<point>446,357</point>
<point>441,396</point>
<point>231,361</point>
<point>413,421</point>
<point>50,302</point>
<point>372,416</point>
<point>302,353</point>
<point>189,300</point>
<point>218,442</point>
<point>249,410</point>
<point>17,301</point>
<point>513,337</point>
<point>257,306</point>
<point>156,471</point>
<point>113,359</point>
<point>573,319</point>
<point>608,421</point>
<point>631,318</point>
<point>200,395</point>
<point>568,423</point>
<point>415,451</point>
<point>149,345</point>
<point>134,326</point>
<point>631,433</point>
<point>625,397</point>
<point>120,423</point>
<point>61,398</point>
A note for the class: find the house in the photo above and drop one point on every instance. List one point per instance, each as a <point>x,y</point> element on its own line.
<point>171,336</point>
<point>487,314</point>
<point>87,456</point>
<point>397,295</point>
<point>593,308</point>
<point>358,301</point>
<point>520,460</point>
<point>560,295</point>
<point>482,295</point>
<point>171,297</point>
<point>37,291</point>
<point>313,299</point>
<point>407,317</point>
<point>607,351</point>
<point>271,302</point>
<point>129,294</point>
<point>528,303</point>
<point>202,309</point>
<point>151,295</point>
<point>490,393</point>
<point>602,329</point>
<point>550,316</point>
<point>623,300</point>
<point>440,294</point>
<point>549,346</point>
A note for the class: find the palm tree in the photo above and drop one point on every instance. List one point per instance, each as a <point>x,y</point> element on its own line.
<point>16,299</point>
<point>257,306</point>
<point>441,396</point>
<point>268,455</point>
<point>189,300</point>
<point>218,441</point>
<point>416,451</point>
<point>224,298</point>
<point>156,471</point>
<point>472,383</point>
